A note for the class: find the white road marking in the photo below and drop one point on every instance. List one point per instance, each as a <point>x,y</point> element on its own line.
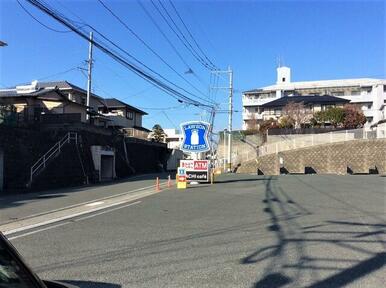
<point>80,219</point>
<point>86,202</point>
<point>39,230</point>
<point>94,203</point>
<point>110,210</point>
<point>62,218</point>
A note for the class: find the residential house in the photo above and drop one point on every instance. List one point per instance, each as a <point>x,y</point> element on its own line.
<point>56,101</point>
<point>368,93</point>
<point>312,104</point>
<point>124,116</point>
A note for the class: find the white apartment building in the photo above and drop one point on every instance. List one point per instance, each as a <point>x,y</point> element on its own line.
<point>368,93</point>
<point>173,138</point>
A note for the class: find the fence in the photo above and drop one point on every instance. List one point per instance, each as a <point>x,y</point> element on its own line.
<point>136,133</point>
<point>317,139</point>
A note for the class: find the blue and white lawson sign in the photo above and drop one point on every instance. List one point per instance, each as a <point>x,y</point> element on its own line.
<point>195,137</point>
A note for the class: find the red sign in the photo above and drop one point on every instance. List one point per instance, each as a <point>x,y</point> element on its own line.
<point>181,178</point>
<point>200,165</point>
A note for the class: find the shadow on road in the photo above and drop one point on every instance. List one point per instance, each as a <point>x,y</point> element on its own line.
<point>252,179</point>
<point>289,260</point>
<point>90,284</point>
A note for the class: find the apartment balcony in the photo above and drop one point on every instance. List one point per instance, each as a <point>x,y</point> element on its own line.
<point>251,116</point>
<point>256,101</point>
<point>365,98</point>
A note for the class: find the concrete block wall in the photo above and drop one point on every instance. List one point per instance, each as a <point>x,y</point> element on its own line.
<point>359,156</point>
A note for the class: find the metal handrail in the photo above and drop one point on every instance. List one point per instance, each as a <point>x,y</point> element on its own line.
<point>56,149</point>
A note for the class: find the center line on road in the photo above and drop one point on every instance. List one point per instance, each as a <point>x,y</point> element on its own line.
<point>94,203</point>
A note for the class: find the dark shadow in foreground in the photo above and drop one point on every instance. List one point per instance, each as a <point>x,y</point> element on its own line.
<point>353,273</point>
<point>90,284</point>
<point>274,280</point>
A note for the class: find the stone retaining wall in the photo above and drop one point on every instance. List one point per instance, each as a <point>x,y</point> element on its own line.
<point>358,156</point>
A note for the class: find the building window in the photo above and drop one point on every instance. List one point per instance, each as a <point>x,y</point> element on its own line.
<point>83,101</point>
<point>366,90</point>
<point>256,109</point>
<point>283,79</point>
<point>130,115</point>
<point>355,92</point>
<point>338,93</point>
<point>326,107</point>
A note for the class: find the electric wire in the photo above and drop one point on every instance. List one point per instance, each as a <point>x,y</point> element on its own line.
<point>190,34</point>
<point>147,46</point>
<point>162,86</point>
<point>200,60</point>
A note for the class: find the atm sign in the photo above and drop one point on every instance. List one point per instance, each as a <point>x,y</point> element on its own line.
<point>200,165</point>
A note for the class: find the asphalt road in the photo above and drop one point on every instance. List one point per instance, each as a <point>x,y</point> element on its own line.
<point>247,231</point>
<point>16,207</point>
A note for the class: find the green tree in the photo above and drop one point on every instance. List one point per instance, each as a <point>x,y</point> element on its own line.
<point>335,116</point>
<point>286,122</point>
<point>158,134</point>
<point>7,114</point>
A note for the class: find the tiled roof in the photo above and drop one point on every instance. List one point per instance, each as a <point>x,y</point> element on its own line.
<point>115,103</point>
<point>305,99</point>
<point>62,85</point>
<point>13,93</point>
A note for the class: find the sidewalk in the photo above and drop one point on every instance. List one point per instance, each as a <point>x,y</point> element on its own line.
<point>15,208</point>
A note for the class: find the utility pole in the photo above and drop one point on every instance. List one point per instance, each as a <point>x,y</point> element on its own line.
<point>89,75</point>
<point>230,119</point>
<point>228,166</point>
<point>224,148</point>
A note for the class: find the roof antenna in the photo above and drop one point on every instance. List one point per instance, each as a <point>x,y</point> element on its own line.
<point>278,61</point>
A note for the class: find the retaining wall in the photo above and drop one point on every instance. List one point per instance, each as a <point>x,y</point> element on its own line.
<point>357,157</point>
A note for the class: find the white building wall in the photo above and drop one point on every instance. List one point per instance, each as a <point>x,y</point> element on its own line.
<point>375,98</point>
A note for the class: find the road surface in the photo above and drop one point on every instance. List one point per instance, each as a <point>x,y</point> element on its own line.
<point>246,231</point>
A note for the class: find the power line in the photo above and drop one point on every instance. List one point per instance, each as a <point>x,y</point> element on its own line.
<point>147,46</point>
<point>162,33</point>
<point>162,108</point>
<point>147,67</point>
<point>59,73</point>
<point>185,43</point>
<point>135,59</point>
<point>144,75</point>
<point>41,23</point>
<point>167,117</point>
<point>190,34</point>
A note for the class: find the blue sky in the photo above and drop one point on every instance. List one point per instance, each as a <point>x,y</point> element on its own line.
<point>317,39</point>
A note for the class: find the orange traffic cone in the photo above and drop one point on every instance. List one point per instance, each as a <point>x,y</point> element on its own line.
<point>157,186</point>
